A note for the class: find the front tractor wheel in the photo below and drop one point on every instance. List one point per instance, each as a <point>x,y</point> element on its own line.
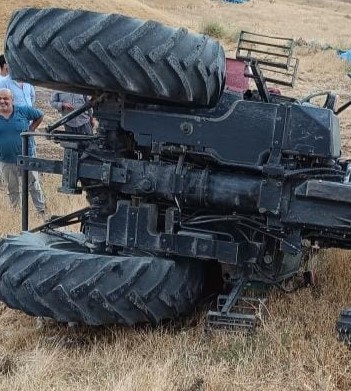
<point>43,275</point>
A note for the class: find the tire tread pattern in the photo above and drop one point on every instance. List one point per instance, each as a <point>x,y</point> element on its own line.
<point>42,278</point>
<point>82,51</point>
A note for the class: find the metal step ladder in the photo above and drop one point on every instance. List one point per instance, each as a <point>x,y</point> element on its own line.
<point>241,310</point>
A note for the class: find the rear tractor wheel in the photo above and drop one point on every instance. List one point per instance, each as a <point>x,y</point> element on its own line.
<point>43,275</point>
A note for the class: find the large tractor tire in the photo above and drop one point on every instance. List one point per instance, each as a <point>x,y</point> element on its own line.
<point>44,275</point>
<point>88,52</point>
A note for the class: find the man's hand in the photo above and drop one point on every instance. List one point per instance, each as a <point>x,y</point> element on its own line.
<point>92,122</point>
<point>67,106</point>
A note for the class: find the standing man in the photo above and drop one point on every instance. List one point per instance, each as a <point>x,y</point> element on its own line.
<point>65,102</point>
<point>23,93</point>
<point>13,121</point>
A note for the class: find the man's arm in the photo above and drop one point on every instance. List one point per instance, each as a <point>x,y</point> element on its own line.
<point>36,123</point>
<point>55,101</point>
<point>31,114</point>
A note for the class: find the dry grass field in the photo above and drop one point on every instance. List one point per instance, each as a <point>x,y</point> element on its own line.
<point>295,348</point>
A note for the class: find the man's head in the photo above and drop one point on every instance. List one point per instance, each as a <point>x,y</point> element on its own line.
<point>6,101</point>
<point>4,69</point>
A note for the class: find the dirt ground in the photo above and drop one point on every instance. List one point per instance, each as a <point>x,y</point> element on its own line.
<point>296,347</point>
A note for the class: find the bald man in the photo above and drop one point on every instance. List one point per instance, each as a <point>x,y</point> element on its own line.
<point>13,121</point>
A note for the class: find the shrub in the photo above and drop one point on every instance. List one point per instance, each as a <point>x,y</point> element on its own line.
<point>213,29</point>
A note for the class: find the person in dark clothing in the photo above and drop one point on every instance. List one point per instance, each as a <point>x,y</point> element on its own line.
<point>65,102</point>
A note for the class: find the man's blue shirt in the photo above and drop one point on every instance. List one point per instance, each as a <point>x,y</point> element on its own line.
<point>10,130</point>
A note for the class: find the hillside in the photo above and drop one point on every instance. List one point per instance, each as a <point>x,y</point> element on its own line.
<point>296,348</point>
<point>321,20</point>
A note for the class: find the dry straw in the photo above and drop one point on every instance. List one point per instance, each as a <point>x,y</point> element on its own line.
<point>296,347</point>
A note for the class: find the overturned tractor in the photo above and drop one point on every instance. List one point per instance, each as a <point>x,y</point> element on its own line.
<point>193,188</point>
